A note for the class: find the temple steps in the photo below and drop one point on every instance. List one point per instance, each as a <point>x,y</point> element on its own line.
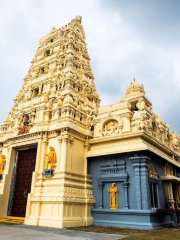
<point>14,220</point>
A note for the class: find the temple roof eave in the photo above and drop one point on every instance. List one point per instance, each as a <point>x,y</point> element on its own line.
<point>146,142</point>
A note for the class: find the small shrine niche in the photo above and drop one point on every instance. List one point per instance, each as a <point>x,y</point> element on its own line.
<point>35,92</point>
<point>153,172</point>
<point>47,53</point>
<point>110,128</point>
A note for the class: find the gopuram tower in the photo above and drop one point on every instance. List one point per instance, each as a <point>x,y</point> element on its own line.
<point>46,133</point>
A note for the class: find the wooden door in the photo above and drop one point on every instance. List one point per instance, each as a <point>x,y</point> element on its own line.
<point>25,168</point>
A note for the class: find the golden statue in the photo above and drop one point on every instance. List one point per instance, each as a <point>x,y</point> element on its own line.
<point>153,172</point>
<point>113,196</point>
<point>2,163</point>
<point>51,158</point>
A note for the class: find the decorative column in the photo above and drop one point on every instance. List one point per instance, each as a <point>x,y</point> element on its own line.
<point>145,183</point>
<point>13,182</point>
<point>64,148</point>
<point>126,185</point>
<point>141,165</point>
<point>178,196</point>
<point>47,114</point>
<point>69,157</point>
<point>169,194</point>
<point>44,150</point>
<point>101,186</point>
<point>136,166</point>
<point>55,113</point>
<point>1,149</point>
<point>86,147</point>
<point>59,154</point>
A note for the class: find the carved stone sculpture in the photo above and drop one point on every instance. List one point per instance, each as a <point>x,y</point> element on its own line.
<point>111,128</point>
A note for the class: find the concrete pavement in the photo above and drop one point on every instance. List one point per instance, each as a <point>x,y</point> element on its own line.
<point>24,232</point>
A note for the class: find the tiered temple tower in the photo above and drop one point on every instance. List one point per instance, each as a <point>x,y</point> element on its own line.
<point>54,108</point>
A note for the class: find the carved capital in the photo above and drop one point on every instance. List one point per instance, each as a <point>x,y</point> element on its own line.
<point>45,140</point>
<point>60,139</point>
<point>126,184</point>
<point>71,139</point>
<point>101,186</point>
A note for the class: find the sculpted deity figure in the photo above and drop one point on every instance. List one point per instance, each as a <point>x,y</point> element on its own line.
<point>29,93</point>
<point>20,117</point>
<point>50,104</point>
<point>105,130</point>
<point>75,103</point>
<point>11,113</point>
<point>51,51</point>
<point>40,88</point>
<point>62,84</point>
<point>51,158</point>
<point>110,128</point>
<point>2,163</point>
<point>32,114</point>
<point>60,102</point>
<point>46,68</point>
<point>113,196</point>
<point>168,169</point>
<point>37,72</point>
<point>153,172</point>
<point>46,97</point>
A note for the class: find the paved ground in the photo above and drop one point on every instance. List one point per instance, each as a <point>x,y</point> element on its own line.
<point>20,232</point>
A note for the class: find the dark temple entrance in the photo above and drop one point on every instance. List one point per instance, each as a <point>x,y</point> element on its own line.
<point>21,182</point>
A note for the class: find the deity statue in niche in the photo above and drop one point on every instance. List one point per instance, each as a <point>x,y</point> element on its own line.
<point>153,172</point>
<point>168,169</point>
<point>113,196</point>
<point>110,128</point>
<point>2,165</point>
<point>51,159</point>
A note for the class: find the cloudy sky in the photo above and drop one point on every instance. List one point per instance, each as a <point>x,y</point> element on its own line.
<point>126,39</point>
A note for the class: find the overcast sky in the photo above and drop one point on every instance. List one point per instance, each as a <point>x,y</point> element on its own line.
<point>126,39</point>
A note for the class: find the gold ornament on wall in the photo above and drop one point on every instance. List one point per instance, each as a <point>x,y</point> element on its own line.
<point>23,130</point>
<point>113,196</point>
<point>51,159</point>
<point>153,172</point>
<point>168,169</point>
<point>2,165</point>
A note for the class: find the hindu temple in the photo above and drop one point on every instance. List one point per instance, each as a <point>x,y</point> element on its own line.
<point>66,161</point>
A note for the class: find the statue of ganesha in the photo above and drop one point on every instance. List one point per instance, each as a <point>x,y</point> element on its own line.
<point>51,159</point>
